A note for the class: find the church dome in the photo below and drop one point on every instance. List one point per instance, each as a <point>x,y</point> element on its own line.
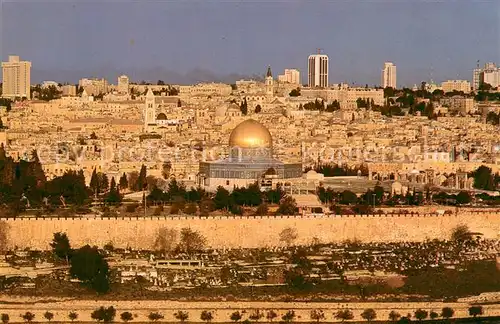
<point>250,134</point>
<point>161,116</point>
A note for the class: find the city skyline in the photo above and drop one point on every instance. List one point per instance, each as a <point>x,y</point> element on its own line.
<point>69,41</point>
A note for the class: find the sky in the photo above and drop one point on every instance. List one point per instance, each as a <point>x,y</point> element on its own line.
<point>170,39</point>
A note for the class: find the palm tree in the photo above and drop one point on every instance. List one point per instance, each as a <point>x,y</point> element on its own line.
<point>155,316</point>
<point>369,314</point>
<point>394,316</point>
<point>72,316</point>
<point>28,317</point>
<point>317,315</point>
<point>49,316</point>
<point>421,314</point>
<point>126,316</point>
<point>289,316</point>
<point>256,315</point>
<point>344,314</point>
<point>181,316</point>
<point>271,315</point>
<point>236,316</point>
<point>206,316</point>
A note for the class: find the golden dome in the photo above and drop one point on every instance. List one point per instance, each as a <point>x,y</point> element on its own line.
<point>250,134</point>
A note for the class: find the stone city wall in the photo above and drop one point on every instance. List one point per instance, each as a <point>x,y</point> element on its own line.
<point>237,231</point>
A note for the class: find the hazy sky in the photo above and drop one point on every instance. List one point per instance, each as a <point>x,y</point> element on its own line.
<point>438,40</point>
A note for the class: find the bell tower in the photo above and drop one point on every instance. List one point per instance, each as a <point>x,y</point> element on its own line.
<point>269,82</point>
<point>149,110</point>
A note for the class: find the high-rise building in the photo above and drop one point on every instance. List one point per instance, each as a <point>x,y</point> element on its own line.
<point>389,75</point>
<point>318,71</point>
<point>123,83</point>
<point>16,78</point>
<point>489,74</point>
<point>291,76</point>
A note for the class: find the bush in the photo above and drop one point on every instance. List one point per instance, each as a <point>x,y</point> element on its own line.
<point>28,317</point>
<point>131,208</point>
<point>103,314</point>
<point>158,210</point>
<point>262,210</point>
<point>126,316</point>
<point>191,208</point>
<point>5,318</point>
<point>155,316</point>
<point>174,209</point>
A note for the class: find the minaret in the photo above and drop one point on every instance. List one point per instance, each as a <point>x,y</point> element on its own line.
<point>150,110</point>
<point>269,82</point>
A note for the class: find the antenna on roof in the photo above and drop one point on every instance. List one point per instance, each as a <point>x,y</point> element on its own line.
<point>319,50</point>
<point>477,64</point>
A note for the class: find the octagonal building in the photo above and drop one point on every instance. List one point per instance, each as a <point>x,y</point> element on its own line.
<point>250,160</point>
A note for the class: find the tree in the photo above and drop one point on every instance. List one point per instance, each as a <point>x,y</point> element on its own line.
<point>463,198</point>
<point>288,206</point>
<point>206,316</point>
<point>461,233</point>
<point>344,314</point>
<point>288,235</point>
<point>5,318</point>
<point>483,178</point>
<point>126,316</point>
<point>271,315</point>
<point>141,181</point>
<point>72,316</point>
<point>155,316</point>
<point>28,317</point>
<point>244,107</point>
<point>123,182</point>
<point>394,316</point>
<point>262,210</point>
<point>433,315</point>
<point>89,266</point>
<point>369,314</point>
<point>191,208</point>
<point>348,198</point>
<point>476,310</point>
<point>48,315</point>
<point>181,316</point>
<point>191,241</point>
<point>60,246</point>
<point>236,316</point>
<point>447,312</point>
<point>258,109</point>
<point>113,196</point>
<point>103,314</point>
<point>421,314</point>
<point>133,178</point>
<point>294,93</point>
<point>94,184</point>
<point>222,198</point>
<point>493,118</point>
<point>165,240</point>
<point>317,315</point>
<point>256,315</point>
<point>288,316</point>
